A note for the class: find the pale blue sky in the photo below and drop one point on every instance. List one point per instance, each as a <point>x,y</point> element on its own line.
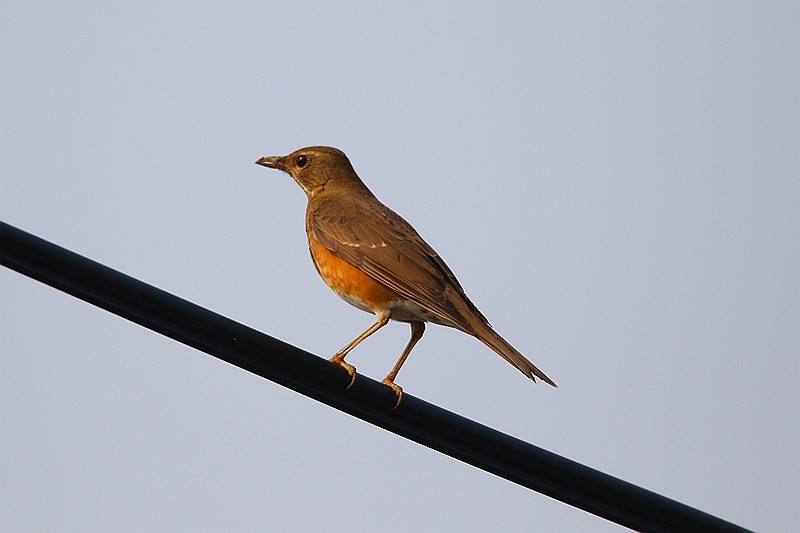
<point>615,184</point>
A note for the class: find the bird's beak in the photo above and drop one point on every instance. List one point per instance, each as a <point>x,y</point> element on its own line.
<point>270,162</point>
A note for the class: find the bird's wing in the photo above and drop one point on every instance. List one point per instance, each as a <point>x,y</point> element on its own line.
<point>386,247</point>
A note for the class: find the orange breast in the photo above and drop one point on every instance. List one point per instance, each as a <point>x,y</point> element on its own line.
<point>349,282</point>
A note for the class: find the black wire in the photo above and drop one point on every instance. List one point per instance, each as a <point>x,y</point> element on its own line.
<point>415,419</point>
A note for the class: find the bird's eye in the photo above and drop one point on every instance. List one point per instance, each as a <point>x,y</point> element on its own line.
<point>301,160</point>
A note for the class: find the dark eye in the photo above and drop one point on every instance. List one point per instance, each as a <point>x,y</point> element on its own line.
<point>301,160</point>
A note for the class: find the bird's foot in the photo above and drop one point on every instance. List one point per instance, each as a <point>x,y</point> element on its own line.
<point>397,390</point>
<point>338,360</point>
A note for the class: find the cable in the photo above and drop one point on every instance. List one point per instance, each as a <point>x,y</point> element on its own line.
<point>415,419</point>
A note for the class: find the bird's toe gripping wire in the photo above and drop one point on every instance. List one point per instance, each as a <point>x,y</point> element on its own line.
<point>339,360</point>
<point>398,391</point>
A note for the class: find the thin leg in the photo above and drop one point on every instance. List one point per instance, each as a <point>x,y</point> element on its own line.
<point>383,317</point>
<point>417,329</point>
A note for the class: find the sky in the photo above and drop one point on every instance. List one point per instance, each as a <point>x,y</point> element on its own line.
<point>615,184</point>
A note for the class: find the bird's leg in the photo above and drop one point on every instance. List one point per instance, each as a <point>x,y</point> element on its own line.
<point>417,329</point>
<point>382,317</point>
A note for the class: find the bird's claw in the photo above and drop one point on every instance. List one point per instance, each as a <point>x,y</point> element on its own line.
<point>348,367</point>
<point>397,390</point>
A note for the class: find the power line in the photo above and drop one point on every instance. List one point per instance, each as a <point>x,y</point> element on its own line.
<point>415,419</point>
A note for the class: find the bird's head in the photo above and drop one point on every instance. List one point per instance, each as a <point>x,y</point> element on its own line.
<point>314,167</point>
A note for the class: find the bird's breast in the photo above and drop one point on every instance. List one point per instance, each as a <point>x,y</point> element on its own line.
<point>348,281</point>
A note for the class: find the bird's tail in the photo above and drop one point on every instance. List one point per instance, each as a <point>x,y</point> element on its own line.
<point>493,340</point>
<point>475,324</point>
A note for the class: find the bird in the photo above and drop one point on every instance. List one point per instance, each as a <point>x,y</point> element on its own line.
<point>376,261</point>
